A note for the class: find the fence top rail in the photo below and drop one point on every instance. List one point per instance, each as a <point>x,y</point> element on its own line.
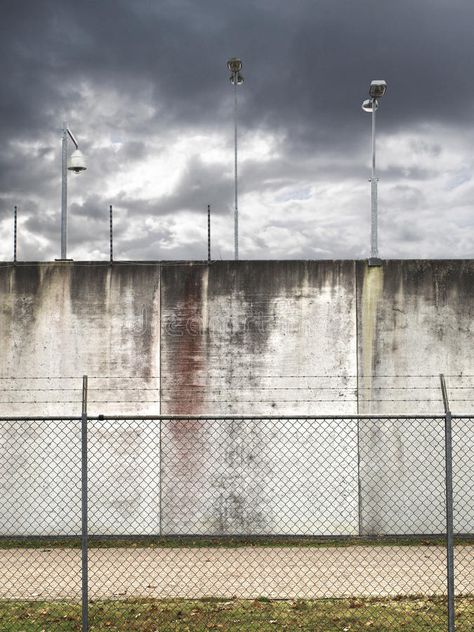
<point>258,417</point>
<point>462,415</point>
<point>225,417</point>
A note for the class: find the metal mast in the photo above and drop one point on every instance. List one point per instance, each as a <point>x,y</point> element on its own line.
<point>77,165</point>
<point>235,66</point>
<point>376,91</point>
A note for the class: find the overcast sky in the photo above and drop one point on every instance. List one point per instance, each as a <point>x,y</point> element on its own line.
<point>143,85</point>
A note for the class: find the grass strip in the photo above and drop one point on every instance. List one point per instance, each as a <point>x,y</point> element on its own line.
<point>415,614</point>
<point>42,542</point>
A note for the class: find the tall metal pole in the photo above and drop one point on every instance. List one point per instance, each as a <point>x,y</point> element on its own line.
<point>235,66</point>
<point>236,207</point>
<point>14,232</point>
<point>374,250</point>
<point>84,510</point>
<point>377,89</point>
<point>449,505</point>
<point>64,195</point>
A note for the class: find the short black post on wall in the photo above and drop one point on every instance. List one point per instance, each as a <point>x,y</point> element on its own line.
<point>84,511</point>
<point>111,235</point>
<point>15,213</point>
<point>448,435</point>
<point>208,233</point>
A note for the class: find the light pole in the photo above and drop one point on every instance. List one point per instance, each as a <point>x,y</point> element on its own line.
<point>235,66</point>
<point>376,91</point>
<point>77,164</point>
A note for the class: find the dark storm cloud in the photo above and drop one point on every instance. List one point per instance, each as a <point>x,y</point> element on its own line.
<point>302,59</point>
<point>129,71</point>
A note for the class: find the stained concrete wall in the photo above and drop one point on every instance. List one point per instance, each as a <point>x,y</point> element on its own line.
<point>67,320</point>
<point>414,318</point>
<point>259,338</point>
<point>63,321</point>
<point>279,338</point>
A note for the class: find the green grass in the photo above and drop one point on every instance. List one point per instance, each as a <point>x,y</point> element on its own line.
<point>327,615</point>
<point>227,541</point>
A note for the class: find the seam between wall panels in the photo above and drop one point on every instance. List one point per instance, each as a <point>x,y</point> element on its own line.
<point>160,363</point>
<point>359,490</point>
<point>357,337</point>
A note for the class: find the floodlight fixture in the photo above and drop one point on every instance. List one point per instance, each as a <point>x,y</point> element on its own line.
<point>378,88</point>
<point>234,64</point>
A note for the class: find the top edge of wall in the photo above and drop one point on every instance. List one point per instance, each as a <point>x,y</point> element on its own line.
<point>215,261</point>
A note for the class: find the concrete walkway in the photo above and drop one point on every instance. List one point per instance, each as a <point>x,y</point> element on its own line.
<point>247,572</point>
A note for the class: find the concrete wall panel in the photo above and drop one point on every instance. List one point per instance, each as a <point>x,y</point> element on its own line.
<point>74,319</point>
<point>415,321</point>
<point>258,338</point>
<point>40,478</point>
<point>415,318</point>
<point>292,477</point>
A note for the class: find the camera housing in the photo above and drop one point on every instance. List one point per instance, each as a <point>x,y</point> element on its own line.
<point>77,162</point>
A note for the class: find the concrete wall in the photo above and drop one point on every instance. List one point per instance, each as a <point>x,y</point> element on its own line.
<point>67,320</point>
<point>259,337</point>
<point>268,338</point>
<point>414,318</point>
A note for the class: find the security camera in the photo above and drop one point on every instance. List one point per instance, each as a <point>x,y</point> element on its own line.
<point>77,162</point>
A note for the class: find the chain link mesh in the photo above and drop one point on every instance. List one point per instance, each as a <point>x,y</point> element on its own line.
<point>280,508</point>
<point>463,490</point>
<point>40,509</point>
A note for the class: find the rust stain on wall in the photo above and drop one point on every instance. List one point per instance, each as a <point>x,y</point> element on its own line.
<point>184,392</point>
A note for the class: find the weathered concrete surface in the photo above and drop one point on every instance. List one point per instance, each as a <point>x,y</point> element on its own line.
<point>259,338</point>
<point>276,573</point>
<point>59,321</point>
<point>259,477</point>
<point>415,319</point>
<point>67,320</point>
<point>40,477</point>
<point>238,337</point>
<point>281,338</point>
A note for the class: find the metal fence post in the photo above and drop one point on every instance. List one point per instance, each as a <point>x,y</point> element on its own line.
<point>449,505</point>
<point>84,510</point>
<point>161,479</point>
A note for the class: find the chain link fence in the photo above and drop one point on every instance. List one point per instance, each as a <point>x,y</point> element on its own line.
<point>291,508</point>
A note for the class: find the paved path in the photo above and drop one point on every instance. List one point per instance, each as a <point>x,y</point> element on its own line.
<point>246,572</point>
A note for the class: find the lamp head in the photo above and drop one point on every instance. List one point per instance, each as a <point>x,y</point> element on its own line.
<point>369,105</point>
<point>236,78</point>
<point>234,65</point>
<point>377,88</point>
<point>77,162</point>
